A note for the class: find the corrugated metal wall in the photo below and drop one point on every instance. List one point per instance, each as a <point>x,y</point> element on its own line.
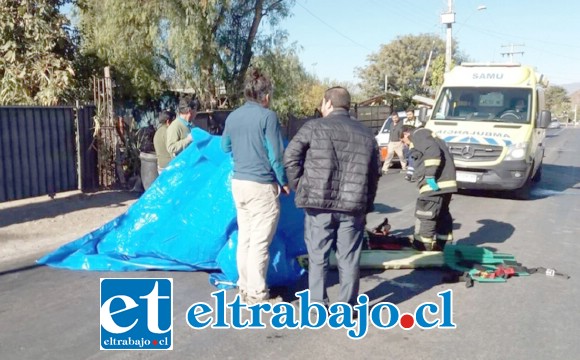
<point>37,151</point>
<point>89,172</point>
<point>372,117</point>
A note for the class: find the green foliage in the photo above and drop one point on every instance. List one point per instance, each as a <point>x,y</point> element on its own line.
<point>404,61</point>
<point>35,53</point>
<point>293,86</point>
<point>296,91</point>
<point>557,100</point>
<point>437,72</point>
<point>123,34</point>
<point>181,44</point>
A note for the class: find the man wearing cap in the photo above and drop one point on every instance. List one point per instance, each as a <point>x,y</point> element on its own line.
<point>179,132</point>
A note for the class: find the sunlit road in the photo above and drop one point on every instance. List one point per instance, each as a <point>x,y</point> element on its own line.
<point>54,314</point>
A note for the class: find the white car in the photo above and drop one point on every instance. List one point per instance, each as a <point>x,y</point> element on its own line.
<point>555,124</point>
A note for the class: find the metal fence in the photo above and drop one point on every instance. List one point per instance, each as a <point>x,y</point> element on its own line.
<point>39,153</point>
<point>46,150</point>
<point>212,121</point>
<point>372,117</point>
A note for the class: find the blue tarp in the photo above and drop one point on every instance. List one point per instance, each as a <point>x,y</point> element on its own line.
<point>185,221</point>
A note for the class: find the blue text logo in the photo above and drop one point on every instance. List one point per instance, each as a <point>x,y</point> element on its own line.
<point>356,319</point>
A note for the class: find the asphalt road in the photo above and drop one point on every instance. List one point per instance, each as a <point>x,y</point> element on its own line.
<point>54,314</point>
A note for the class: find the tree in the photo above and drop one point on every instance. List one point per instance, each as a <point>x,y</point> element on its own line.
<point>404,61</point>
<point>556,96</point>
<point>159,44</point>
<point>124,35</point>
<point>290,79</point>
<point>296,91</point>
<point>557,100</point>
<point>437,72</point>
<point>35,52</point>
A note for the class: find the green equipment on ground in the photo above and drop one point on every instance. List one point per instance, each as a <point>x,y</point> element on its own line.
<point>406,258</point>
<point>477,264</point>
<point>468,263</point>
<point>481,264</point>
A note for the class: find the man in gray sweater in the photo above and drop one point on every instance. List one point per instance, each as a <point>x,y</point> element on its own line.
<point>252,134</point>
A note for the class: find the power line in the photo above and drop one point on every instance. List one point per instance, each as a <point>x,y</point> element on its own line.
<point>506,37</point>
<point>411,14</point>
<point>520,37</point>
<point>512,52</point>
<point>544,51</point>
<point>333,28</point>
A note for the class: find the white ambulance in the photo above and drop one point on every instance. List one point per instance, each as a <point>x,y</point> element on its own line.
<point>493,118</point>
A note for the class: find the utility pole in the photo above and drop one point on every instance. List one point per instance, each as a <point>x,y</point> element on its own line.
<point>512,52</point>
<point>428,63</point>
<point>448,19</point>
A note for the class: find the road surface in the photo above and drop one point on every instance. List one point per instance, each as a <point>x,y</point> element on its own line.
<point>54,314</point>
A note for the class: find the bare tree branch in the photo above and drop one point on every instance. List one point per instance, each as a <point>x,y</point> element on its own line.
<point>249,43</point>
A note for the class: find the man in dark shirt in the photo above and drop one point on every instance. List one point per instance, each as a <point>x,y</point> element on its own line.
<point>395,144</point>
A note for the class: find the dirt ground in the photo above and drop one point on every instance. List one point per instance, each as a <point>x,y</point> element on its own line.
<point>33,227</point>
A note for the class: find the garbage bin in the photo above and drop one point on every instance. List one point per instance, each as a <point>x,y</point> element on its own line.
<point>148,168</point>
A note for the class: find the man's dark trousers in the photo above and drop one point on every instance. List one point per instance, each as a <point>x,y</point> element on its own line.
<point>343,232</point>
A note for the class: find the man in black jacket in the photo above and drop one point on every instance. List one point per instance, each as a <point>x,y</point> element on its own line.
<point>333,165</point>
<point>435,172</point>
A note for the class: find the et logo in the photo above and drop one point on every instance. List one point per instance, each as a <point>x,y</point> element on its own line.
<point>136,314</point>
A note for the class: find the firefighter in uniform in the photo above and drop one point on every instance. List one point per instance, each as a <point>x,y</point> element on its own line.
<point>435,173</point>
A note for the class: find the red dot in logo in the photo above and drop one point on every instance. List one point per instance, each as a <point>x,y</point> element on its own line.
<point>407,321</point>
<point>154,342</point>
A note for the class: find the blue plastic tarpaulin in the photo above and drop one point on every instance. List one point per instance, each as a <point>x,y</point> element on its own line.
<point>186,221</point>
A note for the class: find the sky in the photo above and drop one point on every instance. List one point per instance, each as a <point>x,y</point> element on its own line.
<point>336,36</point>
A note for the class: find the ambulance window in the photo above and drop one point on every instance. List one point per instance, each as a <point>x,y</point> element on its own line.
<point>443,108</point>
<point>491,99</point>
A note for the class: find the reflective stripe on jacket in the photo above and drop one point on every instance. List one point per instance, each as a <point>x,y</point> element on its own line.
<point>432,160</point>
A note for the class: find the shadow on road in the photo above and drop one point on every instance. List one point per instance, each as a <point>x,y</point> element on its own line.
<point>501,230</point>
<point>404,287</point>
<point>385,209</point>
<point>19,269</point>
<point>559,178</point>
<point>54,207</point>
<point>555,180</point>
